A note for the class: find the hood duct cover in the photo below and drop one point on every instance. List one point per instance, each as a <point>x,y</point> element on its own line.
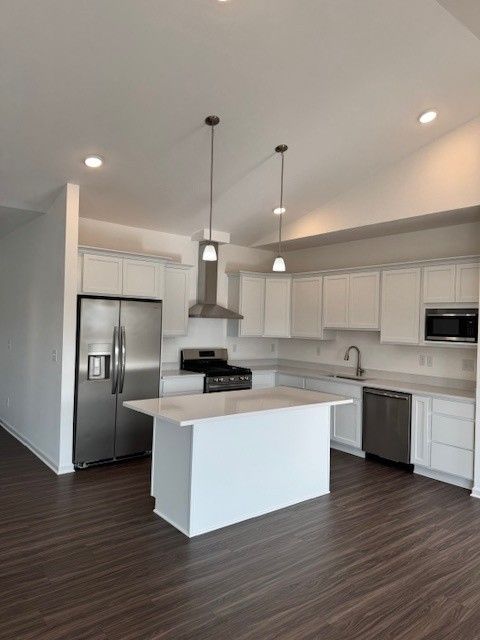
<point>207,306</point>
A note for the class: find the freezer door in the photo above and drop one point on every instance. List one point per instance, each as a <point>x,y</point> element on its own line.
<point>95,401</point>
<point>139,378</point>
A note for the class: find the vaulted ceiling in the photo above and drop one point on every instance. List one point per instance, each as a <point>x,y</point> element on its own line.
<point>340,81</point>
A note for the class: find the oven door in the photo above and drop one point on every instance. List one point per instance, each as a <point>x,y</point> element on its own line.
<point>451,325</point>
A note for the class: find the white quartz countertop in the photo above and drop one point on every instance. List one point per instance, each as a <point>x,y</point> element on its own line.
<point>193,409</point>
<point>414,386</point>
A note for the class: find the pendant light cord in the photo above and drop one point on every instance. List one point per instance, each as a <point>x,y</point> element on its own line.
<point>211,184</point>
<point>281,207</point>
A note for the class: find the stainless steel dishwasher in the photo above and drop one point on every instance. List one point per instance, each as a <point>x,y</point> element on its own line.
<point>386,424</point>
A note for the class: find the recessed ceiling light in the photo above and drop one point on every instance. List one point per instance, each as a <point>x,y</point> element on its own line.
<point>279,210</point>
<point>93,162</point>
<point>427,116</point>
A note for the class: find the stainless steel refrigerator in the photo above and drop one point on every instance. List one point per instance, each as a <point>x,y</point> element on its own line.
<point>118,359</point>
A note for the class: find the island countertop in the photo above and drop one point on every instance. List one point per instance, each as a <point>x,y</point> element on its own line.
<point>193,409</point>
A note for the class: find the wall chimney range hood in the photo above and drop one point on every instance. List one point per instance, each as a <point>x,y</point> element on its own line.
<point>207,306</point>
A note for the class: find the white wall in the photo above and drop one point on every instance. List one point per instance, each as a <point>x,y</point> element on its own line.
<point>37,319</point>
<point>441,176</point>
<point>447,362</point>
<point>202,332</point>
<point>443,242</point>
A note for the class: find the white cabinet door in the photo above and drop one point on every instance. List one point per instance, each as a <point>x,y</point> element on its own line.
<point>277,307</point>
<point>175,303</point>
<point>439,283</point>
<point>335,301</point>
<point>400,315</point>
<point>421,431</point>
<point>102,274</point>
<point>458,462</point>
<point>346,424</point>
<point>363,300</point>
<point>263,379</point>
<point>307,307</point>
<point>142,278</point>
<point>252,305</point>
<point>467,283</point>
<point>286,380</point>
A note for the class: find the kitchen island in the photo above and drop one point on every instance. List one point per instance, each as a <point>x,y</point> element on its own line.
<point>221,458</point>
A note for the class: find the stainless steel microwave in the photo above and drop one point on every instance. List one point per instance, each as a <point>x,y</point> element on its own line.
<point>451,325</point>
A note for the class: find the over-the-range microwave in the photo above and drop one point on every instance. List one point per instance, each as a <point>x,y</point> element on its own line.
<point>451,325</point>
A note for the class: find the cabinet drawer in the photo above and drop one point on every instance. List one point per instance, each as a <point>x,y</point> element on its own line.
<point>458,462</point>
<point>456,409</point>
<point>285,380</point>
<point>182,386</point>
<point>452,431</point>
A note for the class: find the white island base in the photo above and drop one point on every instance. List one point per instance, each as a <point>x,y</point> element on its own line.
<point>237,456</point>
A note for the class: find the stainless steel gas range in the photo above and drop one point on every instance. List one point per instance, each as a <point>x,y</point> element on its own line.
<point>219,375</point>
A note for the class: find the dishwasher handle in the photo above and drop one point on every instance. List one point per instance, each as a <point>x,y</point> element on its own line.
<point>388,394</point>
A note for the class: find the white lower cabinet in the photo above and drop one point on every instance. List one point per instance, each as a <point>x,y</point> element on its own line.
<point>181,385</point>
<point>443,437</point>
<point>286,380</point>
<point>346,427</point>
<point>263,379</point>
<point>420,438</point>
<point>347,424</point>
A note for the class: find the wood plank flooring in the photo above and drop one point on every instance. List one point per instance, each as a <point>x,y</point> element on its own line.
<point>386,555</point>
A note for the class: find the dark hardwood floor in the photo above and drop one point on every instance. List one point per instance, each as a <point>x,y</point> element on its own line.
<point>386,556</point>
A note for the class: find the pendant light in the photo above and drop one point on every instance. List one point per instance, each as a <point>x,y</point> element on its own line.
<point>209,251</point>
<point>279,262</point>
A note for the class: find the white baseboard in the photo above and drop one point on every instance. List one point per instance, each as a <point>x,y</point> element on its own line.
<point>346,448</point>
<point>51,464</point>
<point>444,477</point>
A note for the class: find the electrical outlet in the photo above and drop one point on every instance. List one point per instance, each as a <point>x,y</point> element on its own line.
<point>429,361</point>
<point>468,365</point>
<point>421,360</point>
<point>272,347</point>
<point>7,402</point>
<point>234,347</point>
<point>10,345</point>
<point>54,355</point>
<point>318,349</point>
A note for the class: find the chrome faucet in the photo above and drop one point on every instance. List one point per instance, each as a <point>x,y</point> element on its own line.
<point>360,371</point>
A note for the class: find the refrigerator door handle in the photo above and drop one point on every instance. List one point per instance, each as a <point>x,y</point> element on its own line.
<point>123,358</point>
<point>116,352</point>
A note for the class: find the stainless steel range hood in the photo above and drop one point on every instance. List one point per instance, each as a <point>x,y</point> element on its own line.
<point>207,306</point>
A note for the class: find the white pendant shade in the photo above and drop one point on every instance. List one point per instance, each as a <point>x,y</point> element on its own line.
<point>279,264</point>
<point>209,253</point>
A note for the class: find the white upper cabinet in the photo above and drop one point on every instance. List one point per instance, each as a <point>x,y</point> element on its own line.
<point>335,301</point>
<point>118,275</point>
<point>451,283</point>
<point>351,300</point>
<point>277,307</point>
<point>176,300</point>
<point>101,274</point>
<point>400,312</point>
<point>143,278</point>
<point>307,307</point>
<point>251,305</point>
<point>467,283</point>
<point>439,283</point>
<point>363,300</point>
